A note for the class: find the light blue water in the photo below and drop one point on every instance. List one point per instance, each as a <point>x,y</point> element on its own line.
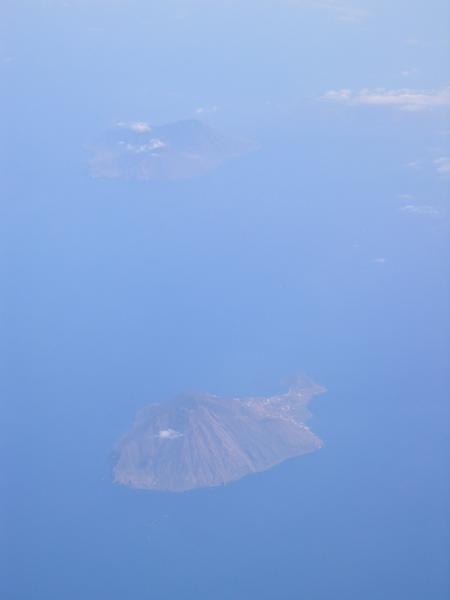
<point>120,294</point>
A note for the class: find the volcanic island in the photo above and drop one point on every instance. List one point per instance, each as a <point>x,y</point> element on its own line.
<point>175,151</point>
<point>203,440</point>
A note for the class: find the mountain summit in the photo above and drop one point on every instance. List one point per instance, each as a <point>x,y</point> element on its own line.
<point>202,440</point>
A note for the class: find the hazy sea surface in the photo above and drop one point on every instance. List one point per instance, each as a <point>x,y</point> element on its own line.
<point>121,294</point>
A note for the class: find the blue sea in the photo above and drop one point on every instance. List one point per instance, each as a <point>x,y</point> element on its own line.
<point>119,294</point>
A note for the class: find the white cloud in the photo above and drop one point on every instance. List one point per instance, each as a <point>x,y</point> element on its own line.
<point>414,164</point>
<point>427,210</point>
<point>205,110</point>
<point>379,261</point>
<point>403,99</point>
<point>409,72</point>
<point>169,434</point>
<point>153,144</point>
<point>443,165</point>
<point>137,126</point>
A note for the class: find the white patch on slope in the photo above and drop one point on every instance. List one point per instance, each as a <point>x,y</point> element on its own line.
<point>169,434</point>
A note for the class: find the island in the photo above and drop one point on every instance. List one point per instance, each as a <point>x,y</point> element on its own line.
<point>181,150</point>
<point>203,440</point>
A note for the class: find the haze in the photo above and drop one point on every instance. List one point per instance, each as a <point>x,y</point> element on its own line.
<point>323,250</point>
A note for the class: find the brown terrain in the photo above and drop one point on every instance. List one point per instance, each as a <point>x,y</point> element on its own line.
<point>202,440</point>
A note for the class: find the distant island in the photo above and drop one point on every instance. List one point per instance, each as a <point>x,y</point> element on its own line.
<point>202,440</point>
<point>175,151</point>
